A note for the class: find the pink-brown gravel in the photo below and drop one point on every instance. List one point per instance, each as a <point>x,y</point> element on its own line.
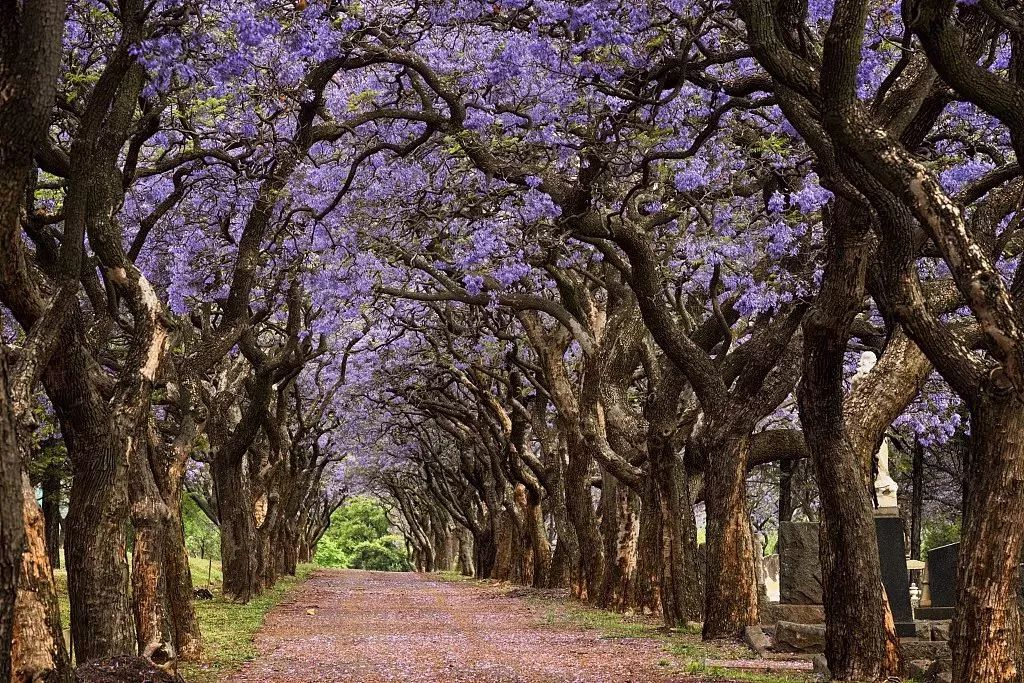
<point>372,627</point>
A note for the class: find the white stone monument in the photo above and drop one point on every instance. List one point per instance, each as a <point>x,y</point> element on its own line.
<point>885,487</point>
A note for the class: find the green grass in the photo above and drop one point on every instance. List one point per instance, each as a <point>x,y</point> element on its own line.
<point>721,673</point>
<point>201,569</point>
<point>228,628</point>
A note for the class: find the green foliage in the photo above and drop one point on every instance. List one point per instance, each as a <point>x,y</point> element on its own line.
<point>202,538</point>
<point>383,555</point>
<point>358,539</point>
<point>939,533</point>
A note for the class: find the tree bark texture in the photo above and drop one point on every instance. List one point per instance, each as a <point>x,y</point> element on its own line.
<point>39,654</point>
<point>731,592</point>
<point>857,645</point>
<point>12,526</point>
<point>238,534</point>
<point>986,635</point>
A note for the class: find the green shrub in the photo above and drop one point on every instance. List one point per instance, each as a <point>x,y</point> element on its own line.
<point>358,539</point>
<point>939,533</point>
<point>383,555</point>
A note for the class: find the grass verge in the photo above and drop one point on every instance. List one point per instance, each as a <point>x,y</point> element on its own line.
<point>228,628</point>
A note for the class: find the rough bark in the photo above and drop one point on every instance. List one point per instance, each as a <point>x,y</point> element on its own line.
<point>731,592</point>
<point>649,551</point>
<point>851,575</point>
<point>95,542</point>
<point>184,622</point>
<point>589,572</point>
<point>681,594</point>
<point>39,651</point>
<point>30,54</point>
<point>12,528</point>
<point>238,539</point>
<point>620,526</point>
<point>986,631</point>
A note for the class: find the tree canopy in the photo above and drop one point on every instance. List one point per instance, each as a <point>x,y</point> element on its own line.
<point>562,286</point>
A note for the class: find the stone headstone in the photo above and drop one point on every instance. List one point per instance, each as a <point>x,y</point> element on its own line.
<point>942,563</point>
<point>799,564</point>
<point>942,574</point>
<point>892,556</point>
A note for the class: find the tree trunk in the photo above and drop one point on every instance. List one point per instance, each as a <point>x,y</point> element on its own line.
<point>649,551</point>
<point>465,552</point>
<point>538,540</point>
<point>12,526</point>
<point>858,643</point>
<point>588,574</point>
<point>288,549</point>
<point>238,538</point>
<point>184,623</point>
<point>620,527</point>
<point>484,546</point>
<point>986,633</point>
<point>506,541</point>
<point>731,592</point>
<point>149,582</point>
<point>94,548</point>
<point>39,652</point>
<point>681,591</point>
<point>266,534</point>
<point>565,555</point>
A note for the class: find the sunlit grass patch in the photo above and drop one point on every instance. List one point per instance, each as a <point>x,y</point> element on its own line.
<point>229,629</point>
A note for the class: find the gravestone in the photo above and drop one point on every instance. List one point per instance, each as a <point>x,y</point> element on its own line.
<point>942,563</point>
<point>892,558</point>
<point>799,564</point>
<point>800,567</point>
<point>942,574</point>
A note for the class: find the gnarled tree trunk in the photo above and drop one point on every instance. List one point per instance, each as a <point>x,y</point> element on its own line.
<point>12,528</point>
<point>986,633</point>
<point>731,592</point>
<point>39,652</point>
<point>238,537</point>
<point>588,574</point>
<point>857,644</point>
<point>96,536</point>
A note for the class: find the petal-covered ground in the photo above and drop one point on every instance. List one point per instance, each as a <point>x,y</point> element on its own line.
<point>371,627</point>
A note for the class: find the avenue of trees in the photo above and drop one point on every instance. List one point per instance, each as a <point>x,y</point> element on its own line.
<point>561,283</point>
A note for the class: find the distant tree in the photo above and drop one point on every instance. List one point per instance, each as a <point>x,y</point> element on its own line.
<point>358,538</point>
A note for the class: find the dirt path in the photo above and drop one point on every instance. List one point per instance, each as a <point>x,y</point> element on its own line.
<point>371,627</point>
